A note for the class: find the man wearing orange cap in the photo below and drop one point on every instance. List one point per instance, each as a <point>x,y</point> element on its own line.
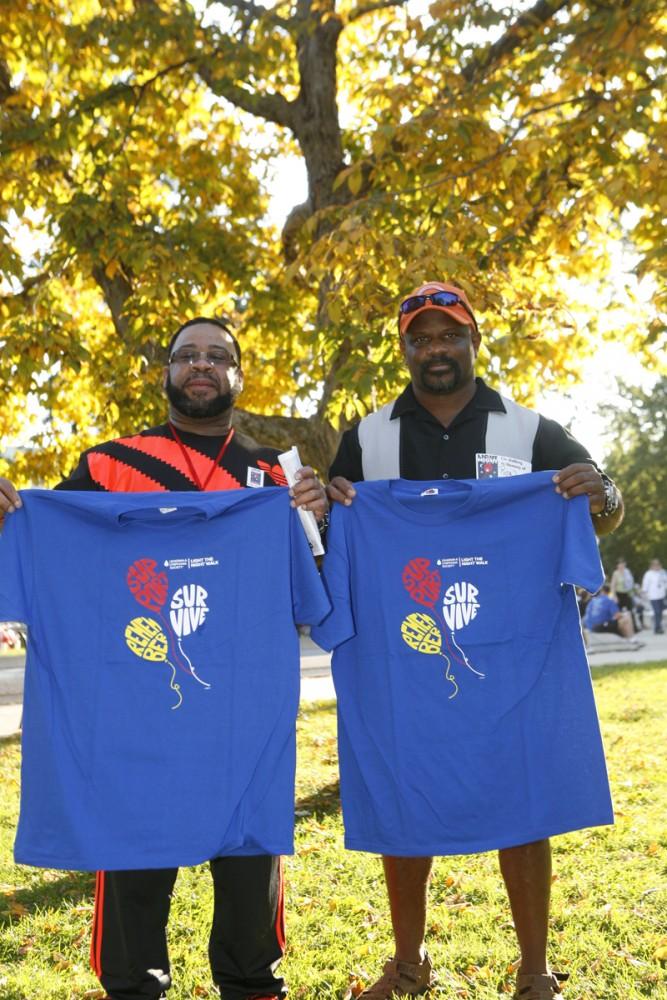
<point>449,424</point>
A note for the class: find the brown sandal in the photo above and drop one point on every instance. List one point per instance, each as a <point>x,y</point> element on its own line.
<point>544,987</point>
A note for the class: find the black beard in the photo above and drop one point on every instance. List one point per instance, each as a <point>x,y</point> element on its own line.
<point>199,409</point>
<point>435,383</point>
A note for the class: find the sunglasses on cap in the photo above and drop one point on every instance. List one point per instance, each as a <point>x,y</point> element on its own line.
<point>415,302</point>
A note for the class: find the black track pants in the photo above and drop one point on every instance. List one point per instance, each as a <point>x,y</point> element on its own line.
<point>129,946</point>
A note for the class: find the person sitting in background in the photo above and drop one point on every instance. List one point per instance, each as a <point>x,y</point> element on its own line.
<point>604,615</point>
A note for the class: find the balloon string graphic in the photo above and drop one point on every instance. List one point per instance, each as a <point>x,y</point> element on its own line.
<point>170,632</point>
<point>174,686</point>
<point>463,659</point>
<point>192,671</point>
<point>450,677</point>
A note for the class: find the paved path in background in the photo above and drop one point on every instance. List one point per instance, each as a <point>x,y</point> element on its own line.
<point>316,683</point>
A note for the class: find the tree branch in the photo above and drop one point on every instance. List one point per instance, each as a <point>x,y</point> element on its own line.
<point>271,107</point>
<point>6,89</point>
<point>255,12</point>
<point>30,285</point>
<point>515,36</point>
<point>116,292</point>
<point>369,8</point>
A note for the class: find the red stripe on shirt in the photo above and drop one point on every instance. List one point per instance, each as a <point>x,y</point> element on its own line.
<point>167,450</point>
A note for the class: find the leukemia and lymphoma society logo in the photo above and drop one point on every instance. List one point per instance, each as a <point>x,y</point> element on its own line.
<point>159,639</point>
<point>434,634</point>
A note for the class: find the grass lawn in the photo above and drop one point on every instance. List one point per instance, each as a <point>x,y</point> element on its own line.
<point>609,891</point>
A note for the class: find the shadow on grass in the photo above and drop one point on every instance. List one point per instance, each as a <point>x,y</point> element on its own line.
<point>7,741</point>
<point>71,888</point>
<point>324,802</point>
<point>609,669</point>
<point>316,707</point>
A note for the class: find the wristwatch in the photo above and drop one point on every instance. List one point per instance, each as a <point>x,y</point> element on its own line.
<point>612,498</point>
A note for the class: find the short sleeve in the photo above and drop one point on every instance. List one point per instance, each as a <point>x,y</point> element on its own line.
<point>580,557</point>
<point>309,600</point>
<point>339,625</point>
<point>80,477</point>
<point>15,569</point>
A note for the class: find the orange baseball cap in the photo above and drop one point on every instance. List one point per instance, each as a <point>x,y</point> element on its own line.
<point>459,308</point>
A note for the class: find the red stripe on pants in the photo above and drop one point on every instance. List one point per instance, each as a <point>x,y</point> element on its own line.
<point>98,922</point>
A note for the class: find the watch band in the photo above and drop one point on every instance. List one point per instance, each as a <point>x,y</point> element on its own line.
<point>611,497</point>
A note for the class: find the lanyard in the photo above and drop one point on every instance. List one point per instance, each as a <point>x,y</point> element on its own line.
<point>188,460</point>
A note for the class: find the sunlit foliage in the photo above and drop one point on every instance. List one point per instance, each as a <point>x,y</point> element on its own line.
<point>505,146</point>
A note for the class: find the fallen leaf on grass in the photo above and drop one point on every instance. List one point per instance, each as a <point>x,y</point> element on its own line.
<point>355,988</point>
<point>660,952</point>
<point>18,909</point>
<point>27,945</point>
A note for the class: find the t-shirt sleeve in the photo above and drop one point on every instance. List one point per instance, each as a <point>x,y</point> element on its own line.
<point>580,557</point>
<point>310,603</point>
<point>79,478</point>
<point>15,569</point>
<point>339,625</point>
<point>347,462</point>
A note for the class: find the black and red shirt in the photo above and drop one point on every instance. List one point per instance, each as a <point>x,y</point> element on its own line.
<point>154,460</point>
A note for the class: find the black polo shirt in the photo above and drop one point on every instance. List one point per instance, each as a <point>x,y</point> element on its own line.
<point>429,450</point>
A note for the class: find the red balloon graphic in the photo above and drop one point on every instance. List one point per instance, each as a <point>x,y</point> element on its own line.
<point>421,582</point>
<point>148,586</point>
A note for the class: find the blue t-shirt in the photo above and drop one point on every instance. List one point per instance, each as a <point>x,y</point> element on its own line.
<point>466,712</point>
<point>600,609</point>
<point>162,679</point>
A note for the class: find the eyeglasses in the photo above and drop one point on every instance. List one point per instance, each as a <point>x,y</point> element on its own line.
<point>415,302</point>
<point>217,358</point>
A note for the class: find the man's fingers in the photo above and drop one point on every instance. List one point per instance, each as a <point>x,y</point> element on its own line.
<point>341,490</point>
<point>9,498</point>
<point>309,493</point>
<point>576,480</point>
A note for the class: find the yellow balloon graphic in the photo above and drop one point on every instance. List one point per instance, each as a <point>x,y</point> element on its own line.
<point>146,639</point>
<point>421,633</point>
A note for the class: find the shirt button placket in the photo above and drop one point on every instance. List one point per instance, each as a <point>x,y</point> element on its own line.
<point>445,437</point>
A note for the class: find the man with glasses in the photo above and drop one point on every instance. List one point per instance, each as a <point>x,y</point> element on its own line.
<point>447,424</point>
<point>196,449</point>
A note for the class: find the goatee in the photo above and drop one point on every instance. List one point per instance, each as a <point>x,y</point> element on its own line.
<point>199,408</point>
<point>436,383</point>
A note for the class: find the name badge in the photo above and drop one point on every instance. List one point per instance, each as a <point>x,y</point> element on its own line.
<point>500,466</point>
<point>255,477</point>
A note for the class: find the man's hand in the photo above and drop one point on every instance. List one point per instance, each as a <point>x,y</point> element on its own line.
<point>581,478</point>
<point>9,498</point>
<point>341,490</point>
<point>308,493</point>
